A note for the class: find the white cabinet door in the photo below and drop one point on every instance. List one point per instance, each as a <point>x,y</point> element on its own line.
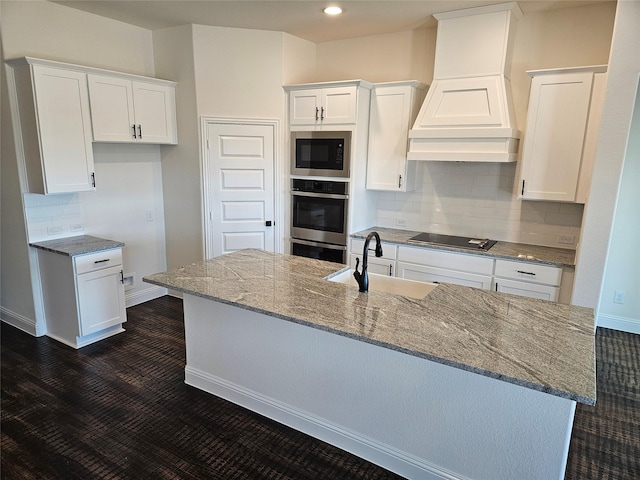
<point>131,111</point>
<point>524,289</point>
<point>423,273</point>
<point>304,106</point>
<point>112,113</point>
<point>393,109</point>
<point>64,128</point>
<point>559,106</point>
<point>100,300</point>
<point>323,106</point>
<point>338,105</point>
<point>155,112</point>
<point>381,266</point>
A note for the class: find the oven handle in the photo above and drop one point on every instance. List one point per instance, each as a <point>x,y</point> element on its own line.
<point>318,244</point>
<point>319,195</point>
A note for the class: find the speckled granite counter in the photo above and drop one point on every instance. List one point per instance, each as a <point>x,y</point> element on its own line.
<point>561,257</point>
<point>78,245</point>
<point>536,344</point>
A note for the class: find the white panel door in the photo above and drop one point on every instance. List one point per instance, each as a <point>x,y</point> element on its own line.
<point>241,205</point>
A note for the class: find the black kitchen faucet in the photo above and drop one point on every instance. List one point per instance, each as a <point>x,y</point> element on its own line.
<point>363,277</point>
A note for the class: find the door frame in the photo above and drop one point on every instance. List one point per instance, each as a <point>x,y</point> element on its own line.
<point>278,178</point>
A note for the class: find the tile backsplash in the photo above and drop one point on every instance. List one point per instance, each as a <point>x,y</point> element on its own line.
<point>478,200</point>
<point>53,216</point>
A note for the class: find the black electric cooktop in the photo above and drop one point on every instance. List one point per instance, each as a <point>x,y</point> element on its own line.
<point>453,241</point>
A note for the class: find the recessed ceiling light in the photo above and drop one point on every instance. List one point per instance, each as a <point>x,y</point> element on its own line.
<point>333,10</point>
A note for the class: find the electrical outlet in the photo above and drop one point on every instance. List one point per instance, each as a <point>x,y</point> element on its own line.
<point>129,280</point>
<point>150,217</point>
<point>618,296</point>
<point>401,222</point>
<point>76,227</point>
<point>54,230</point>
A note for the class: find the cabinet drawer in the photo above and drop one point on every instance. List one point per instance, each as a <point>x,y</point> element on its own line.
<point>529,272</point>
<point>388,249</point>
<point>421,273</point>
<point>452,261</point>
<point>96,261</point>
<point>527,289</point>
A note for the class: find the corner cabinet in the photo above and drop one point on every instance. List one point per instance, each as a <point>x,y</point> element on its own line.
<point>128,110</point>
<point>52,126</point>
<point>563,120</point>
<point>331,103</point>
<point>394,107</point>
<point>83,295</point>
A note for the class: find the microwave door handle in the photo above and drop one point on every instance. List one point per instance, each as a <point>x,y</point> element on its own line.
<point>319,195</point>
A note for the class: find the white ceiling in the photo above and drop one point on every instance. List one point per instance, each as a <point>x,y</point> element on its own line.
<point>301,18</point>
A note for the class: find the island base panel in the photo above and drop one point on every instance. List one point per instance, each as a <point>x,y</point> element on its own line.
<point>418,418</point>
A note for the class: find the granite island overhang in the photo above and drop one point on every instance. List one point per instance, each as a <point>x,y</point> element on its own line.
<point>405,383</point>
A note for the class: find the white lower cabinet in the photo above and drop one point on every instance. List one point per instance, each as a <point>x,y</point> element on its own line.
<point>83,296</point>
<point>528,279</point>
<point>385,265</point>
<point>427,265</point>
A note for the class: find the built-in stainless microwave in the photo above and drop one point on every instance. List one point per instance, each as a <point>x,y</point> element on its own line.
<point>320,154</point>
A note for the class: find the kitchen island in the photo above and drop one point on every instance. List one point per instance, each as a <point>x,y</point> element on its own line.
<point>463,383</point>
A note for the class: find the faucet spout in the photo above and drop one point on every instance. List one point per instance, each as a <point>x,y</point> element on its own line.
<point>363,277</point>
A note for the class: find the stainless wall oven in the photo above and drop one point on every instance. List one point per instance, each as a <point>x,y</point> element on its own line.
<point>320,154</point>
<point>319,210</point>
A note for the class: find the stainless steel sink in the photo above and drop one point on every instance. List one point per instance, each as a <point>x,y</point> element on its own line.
<point>384,283</point>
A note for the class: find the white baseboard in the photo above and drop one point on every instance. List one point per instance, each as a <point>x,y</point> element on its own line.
<point>625,324</point>
<point>141,296</point>
<point>385,456</point>
<point>25,324</point>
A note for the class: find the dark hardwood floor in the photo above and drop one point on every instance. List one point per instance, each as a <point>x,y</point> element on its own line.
<point>120,409</point>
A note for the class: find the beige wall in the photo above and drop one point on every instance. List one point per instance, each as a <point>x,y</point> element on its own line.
<point>174,59</point>
<point>405,55</point>
<point>622,85</point>
<point>479,199</point>
<point>48,30</point>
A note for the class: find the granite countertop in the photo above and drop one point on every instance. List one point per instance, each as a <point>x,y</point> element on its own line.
<point>533,343</point>
<point>78,245</point>
<point>561,257</point>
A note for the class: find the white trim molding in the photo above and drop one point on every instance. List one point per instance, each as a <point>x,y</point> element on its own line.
<point>21,322</point>
<point>141,296</point>
<point>630,325</point>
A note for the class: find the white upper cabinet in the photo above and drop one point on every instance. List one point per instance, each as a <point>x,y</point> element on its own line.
<point>332,103</point>
<point>394,107</point>
<point>52,127</point>
<point>562,125</point>
<point>125,110</point>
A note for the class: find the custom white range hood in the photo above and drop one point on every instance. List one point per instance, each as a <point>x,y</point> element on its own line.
<point>468,115</point>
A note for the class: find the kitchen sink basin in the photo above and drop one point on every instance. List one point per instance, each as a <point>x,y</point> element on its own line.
<point>384,283</point>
